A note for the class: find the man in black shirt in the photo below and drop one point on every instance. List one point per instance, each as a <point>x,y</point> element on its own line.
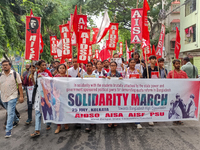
<point>152,67</point>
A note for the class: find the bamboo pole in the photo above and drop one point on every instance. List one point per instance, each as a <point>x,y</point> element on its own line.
<point>173,67</point>
<point>158,68</point>
<point>147,68</point>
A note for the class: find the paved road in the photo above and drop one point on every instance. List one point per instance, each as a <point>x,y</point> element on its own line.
<point>163,136</point>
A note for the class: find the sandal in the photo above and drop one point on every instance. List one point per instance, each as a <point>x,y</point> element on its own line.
<point>110,125</point>
<point>35,134</point>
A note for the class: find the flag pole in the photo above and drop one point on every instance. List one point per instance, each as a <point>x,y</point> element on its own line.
<point>146,62</point>
<point>173,67</point>
<point>22,66</point>
<point>158,68</point>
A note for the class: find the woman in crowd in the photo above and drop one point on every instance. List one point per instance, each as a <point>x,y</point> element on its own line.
<point>113,73</point>
<point>61,69</point>
<point>132,73</point>
<point>100,71</point>
<point>43,72</point>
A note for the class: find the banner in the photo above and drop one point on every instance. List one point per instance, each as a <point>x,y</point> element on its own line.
<point>30,93</point>
<point>94,39</point>
<point>76,100</point>
<point>90,50</point>
<point>120,49</point>
<point>83,46</point>
<point>53,45</point>
<point>113,36</point>
<point>159,50</point>
<point>82,22</point>
<point>66,41</point>
<point>33,25</point>
<point>136,25</point>
<point>97,54</point>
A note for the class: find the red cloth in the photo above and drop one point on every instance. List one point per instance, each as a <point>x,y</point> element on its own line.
<point>58,75</point>
<point>108,70</point>
<point>145,31</point>
<point>75,23</point>
<point>45,73</point>
<point>104,54</point>
<point>177,44</point>
<point>181,74</point>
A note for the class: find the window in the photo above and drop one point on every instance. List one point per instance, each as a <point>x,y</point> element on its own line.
<point>190,34</point>
<point>190,7</point>
<point>173,44</point>
<point>174,25</point>
<point>174,6</point>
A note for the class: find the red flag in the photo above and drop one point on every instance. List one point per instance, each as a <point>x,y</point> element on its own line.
<point>31,13</point>
<point>113,36</point>
<point>127,52</point>
<point>120,49</point>
<point>96,54</point>
<point>53,45</point>
<point>41,44</point>
<point>66,42</point>
<point>104,53</point>
<point>32,38</point>
<point>75,24</point>
<point>136,25</point>
<point>83,46</point>
<point>82,22</point>
<point>104,27</point>
<point>145,31</point>
<point>147,50</point>
<point>159,50</point>
<point>96,30</point>
<point>177,44</point>
<point>153,51</point>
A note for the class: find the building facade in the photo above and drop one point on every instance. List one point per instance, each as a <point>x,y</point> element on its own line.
<point>190,31</point>
<point>171,22</point>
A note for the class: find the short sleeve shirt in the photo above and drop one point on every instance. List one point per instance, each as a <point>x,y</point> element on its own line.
<point>190,70</point>
<point>181,74</point>
<point>8,86</point>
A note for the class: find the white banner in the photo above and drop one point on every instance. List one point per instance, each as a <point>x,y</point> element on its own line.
<point>76,100</point>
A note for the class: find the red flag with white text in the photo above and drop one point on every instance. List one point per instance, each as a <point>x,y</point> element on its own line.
<point>53,45</point>
<point>159,50</point>
<point>97,54</point>
<point>75,24</point>
<point>66,41</point>
<point>41,44</point>
<point>33,25</point>
<point>90,50</point>
<point>113,36</point>
<point>95,30</point>
<point>136,25</point>
<point>83,46</point>
<point>177,44</point>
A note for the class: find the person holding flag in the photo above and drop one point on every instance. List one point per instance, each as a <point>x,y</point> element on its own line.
<point>75,71</point>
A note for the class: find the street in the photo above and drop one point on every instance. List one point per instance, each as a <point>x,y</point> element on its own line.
<point>162,136</point>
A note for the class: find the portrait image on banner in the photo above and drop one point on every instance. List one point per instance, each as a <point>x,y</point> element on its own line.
<point>32,50</point>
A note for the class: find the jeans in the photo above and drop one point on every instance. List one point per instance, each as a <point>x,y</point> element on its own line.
<point>11,115</point>
<point>38,120</point>
<point>30,107</point>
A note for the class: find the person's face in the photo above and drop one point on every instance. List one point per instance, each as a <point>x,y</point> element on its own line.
<point>33,69</point>
<point>27,67</point>
<point>113,66</point>
<point>33,24</point>
<point>153,61</point>
<point>136,56</point>
<point>62,70</point>
<point>89,67</point>
<point>95,61</point>
<point>106,64</point>
<point>56,64</point>
<point>177,65</point>
<point>75,62</point>
<point>6,66</point>
<point>116,56</point>
<point>161,64</point>
<point>184,62</point>
<point>132,64</point>
<point>99,65</point>
<point>43,66</point>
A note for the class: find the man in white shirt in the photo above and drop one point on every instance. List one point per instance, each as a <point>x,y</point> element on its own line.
<point>75,71</point>
<point>10,83</point>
